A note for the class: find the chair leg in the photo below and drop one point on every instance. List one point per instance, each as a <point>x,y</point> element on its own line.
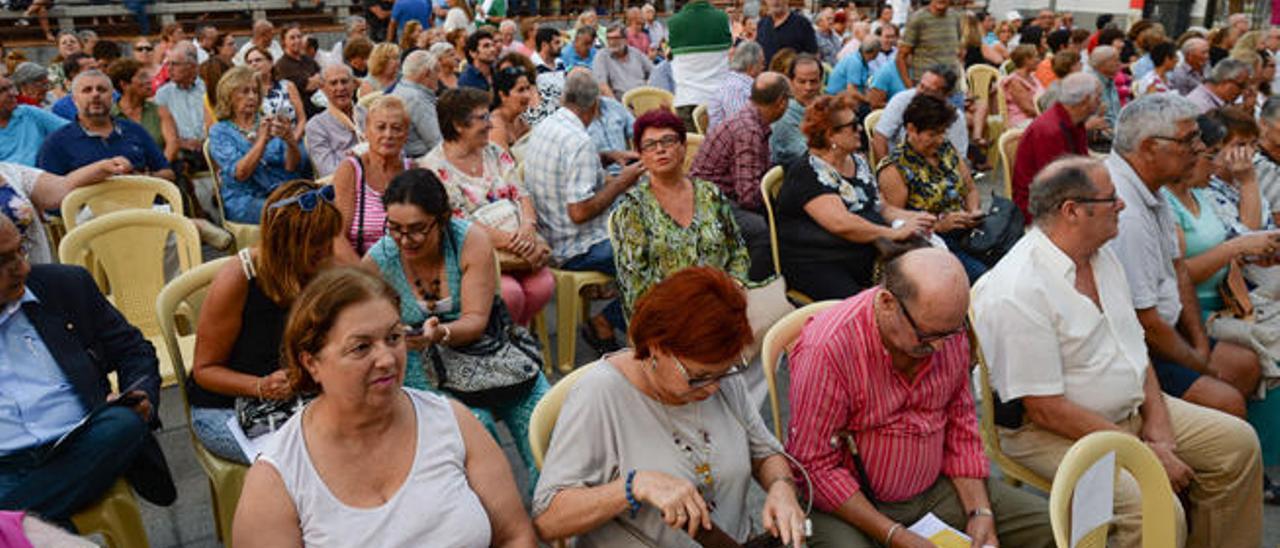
<point>566,324</point>
<point>539,325</point>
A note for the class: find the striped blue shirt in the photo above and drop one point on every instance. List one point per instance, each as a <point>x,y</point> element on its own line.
<point>562,167</point>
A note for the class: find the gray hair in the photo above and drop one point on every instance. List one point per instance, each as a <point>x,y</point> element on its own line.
<point>185,49</point>
<point>614,26</point>
<point>1076,88</point>
<point>94,73</point>
<point>354,20</point>
<point>870,46</point>
<point>1063,179</point>
<point>345,68</point>
<point>1228,70</point>
<point>1153,115</point>
<point>581,92</point>
<point>1270,110</point>
<point>507,24</point>
<point>438,49</point>
<point>1102,54</point>
<point>418,62</point>
<point>1193,43</point>
<point>745,56</point>
<point>86,35</point>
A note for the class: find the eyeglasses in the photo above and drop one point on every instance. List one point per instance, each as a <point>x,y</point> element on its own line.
<point>921,336</point>
<point>837,129</point>
<point>1112,199</point>
<point>143,48</point>
<point>308,200</point>
<point>703,381</point>
<point>414,233</point>
<point>663,142</point>
<point>1189,141</point>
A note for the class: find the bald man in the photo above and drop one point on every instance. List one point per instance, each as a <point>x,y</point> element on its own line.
<point>887,370</point>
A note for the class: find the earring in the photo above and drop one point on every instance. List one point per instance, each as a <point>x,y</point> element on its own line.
<point>653,363</point>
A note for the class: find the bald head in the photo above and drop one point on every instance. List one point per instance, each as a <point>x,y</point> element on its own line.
<point>768,88</point>
<point>930,275</point>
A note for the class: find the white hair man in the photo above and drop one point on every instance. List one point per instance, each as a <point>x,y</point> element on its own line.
<point>1226,81</point>
<point>1057,132</point>
<point>1194,67</point>
<point>1068,358</point>
<point>332,133</point>
<point>1104,63</point>
<point>417,90</point>
<point>745,64</point>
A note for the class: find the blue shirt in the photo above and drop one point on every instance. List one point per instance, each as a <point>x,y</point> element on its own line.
<point>852,70</point>
<point>661,77</point>
<point>72,148</point>
<point>66,107</point>
<point>411,10</point>
<point>28,126</point>
<point>570,57</point>
<point>887,78</point>
<point>1142,67</point>
<point>611,130</point>
<point>244,198</point>
<point>471,77</point>
<point>37,402</point>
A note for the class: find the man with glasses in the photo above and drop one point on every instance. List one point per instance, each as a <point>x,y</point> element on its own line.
<point>64,438</point>
<point>1157,143</point>
<point>883,419</point>
<point>23,128</point>
<point>1104,63</point>
<point>622,67</point>
<point>1067,358</point>
<point>1228,79</point>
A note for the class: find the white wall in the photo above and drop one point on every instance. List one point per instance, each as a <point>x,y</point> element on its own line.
<point>1085,10</point>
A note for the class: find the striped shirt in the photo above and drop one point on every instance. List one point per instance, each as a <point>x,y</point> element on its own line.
<point>562,167</point>
<point>908,432</point>
<point>735,92</point>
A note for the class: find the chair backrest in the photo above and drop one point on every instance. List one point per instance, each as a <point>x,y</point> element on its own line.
<point>119,193</point>
<point>217,182</point>
<point>778,340</point>
<point>645,98</point>
<point>1158,521</point>
<point>869,126</point>
<point>980,79</point>
<point>1002,101</point>
<point>368,98</point>
<point>1008,146</point>
<point>692,142</point>
<point>178,310</point>
<point>700,119</point>
<point>770,186</point>
<point>130,246</point>
<point>543,421</point>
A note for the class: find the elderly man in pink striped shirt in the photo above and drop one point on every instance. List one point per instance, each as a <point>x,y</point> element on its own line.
<point>887,371</point>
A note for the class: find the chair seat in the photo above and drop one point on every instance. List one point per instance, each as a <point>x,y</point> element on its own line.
<point>246,235</point>
<point>116,517</point>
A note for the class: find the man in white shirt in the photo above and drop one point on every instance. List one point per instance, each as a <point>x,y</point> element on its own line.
<point>263,37</point>
<point>1068,358</point>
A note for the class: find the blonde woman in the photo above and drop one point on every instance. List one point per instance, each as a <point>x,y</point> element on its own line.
<point>384,68</point>
<point>361,179</point>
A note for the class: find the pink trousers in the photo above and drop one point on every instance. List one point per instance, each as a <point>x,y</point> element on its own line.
<point>527,292</point>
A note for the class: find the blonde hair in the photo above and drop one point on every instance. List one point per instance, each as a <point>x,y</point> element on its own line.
<point>292,240</point>
<point>228,86</point>
<point>381,56</point>
<point>389,103</point>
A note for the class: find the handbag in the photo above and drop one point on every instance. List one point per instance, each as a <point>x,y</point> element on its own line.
<point>263,416</point>
<point>1000,230</point>
<point>505,215</point>
<point>1235,293</point>
<point>501,366</point>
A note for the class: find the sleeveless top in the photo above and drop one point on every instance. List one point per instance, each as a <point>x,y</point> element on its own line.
<point>277,102</point>
<point>257,347</point>
<point>434,506</point>
<point>386,254</point>
<point>370,219</point>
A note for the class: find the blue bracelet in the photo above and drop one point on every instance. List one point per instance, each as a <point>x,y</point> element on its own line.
<point>631,498</point>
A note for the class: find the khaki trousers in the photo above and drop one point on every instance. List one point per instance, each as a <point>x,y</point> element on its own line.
<point>1022,518</point>
<point>1225,498</point>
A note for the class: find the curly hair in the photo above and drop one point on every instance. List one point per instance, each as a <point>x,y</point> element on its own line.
<point>819,119</point>
<point>928,113</point>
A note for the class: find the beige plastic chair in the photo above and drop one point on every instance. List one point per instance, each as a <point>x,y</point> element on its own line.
<point>981,79</point>
<point>645,98</point>
<point>1008,144</point>
<point>777,340</point>
<point>177,310</point>
<point>1158,514</point>
<point>692,142</point>
<point>869,126</point>
<point>245,235</point>
<point>119,193</point>
<point>770,186</point>
<point>116,516</point>
<point>129,247</point>
<point>570,308</point>
<point>700,119</point>
<point>1014,473</point>
<point>543,421</point>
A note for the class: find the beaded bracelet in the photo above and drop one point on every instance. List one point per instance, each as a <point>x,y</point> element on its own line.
<point>631,498</point>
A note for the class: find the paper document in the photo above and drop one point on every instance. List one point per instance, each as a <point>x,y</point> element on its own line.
<point>251,447</point>
<point>939,533</point>
<point>1091,503</point>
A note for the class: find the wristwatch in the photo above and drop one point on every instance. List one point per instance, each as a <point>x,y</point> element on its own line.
<point>976,512</point>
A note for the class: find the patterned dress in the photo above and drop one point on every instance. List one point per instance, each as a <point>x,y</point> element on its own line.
<point>649,245</point>
<point>468,193</point>
<point>936,189</point>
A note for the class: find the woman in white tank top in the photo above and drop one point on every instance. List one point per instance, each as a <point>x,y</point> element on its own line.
<point>369,463</point>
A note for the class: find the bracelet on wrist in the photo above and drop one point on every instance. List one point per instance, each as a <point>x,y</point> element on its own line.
<point>981,512</point>
<point>447,334</point>
<point>893,530</point>
<point>633,505</point>
<point>258,386</point>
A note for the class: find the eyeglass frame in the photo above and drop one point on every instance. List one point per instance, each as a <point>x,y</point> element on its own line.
<point>652,145</point>
<point>922,337</point>
<point>313,196</point>
<point>1189,141</point>
<point>1115,197</point>
<point>696,383</point>
<point>399,233</point>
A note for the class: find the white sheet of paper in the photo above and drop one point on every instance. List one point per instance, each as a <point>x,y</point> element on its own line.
<point>251,447</point>
<point>938,532</point>
<point>1091,503</point>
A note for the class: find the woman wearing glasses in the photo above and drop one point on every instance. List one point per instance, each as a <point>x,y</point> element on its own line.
<point>443,268</point>
<point>241,321</point>
<point>657,444</point>
<point>668,221</point>
<point>361,178</point>
<point>481,181</point>
<point>829,211</point>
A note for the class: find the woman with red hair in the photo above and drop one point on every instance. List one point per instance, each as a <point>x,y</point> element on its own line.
<point>658,445</point>
<point>668,221</point>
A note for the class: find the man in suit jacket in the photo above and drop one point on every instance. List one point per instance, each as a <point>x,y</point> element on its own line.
<point>64,439</point>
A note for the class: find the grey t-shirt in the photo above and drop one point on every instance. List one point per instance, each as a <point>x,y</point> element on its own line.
<point>607,427</point>
<point>1147,243</point>
<point>621,75</point>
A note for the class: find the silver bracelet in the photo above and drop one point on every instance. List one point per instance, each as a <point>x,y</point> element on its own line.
<point>888,537</point>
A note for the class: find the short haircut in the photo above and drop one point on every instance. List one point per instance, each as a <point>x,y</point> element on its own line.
<point>656,119</point>
<point>357,48</point>
<point>1162,52</point>
<point>1058,39</point>
<point>819,118</point>
<point>285,28</point>
<point>454,109</point>
<point>774,87</point>
<point>106,51</point>
<point>1023,54</point>
<point>473,42</point>
<point>506,80</point>
<point>1102,54</point>
<point>1031,34</point>
<point>71,65</point>
<point>122,71</point>
<point>1064,62</point>
<point>928,113</point>
<point>545,35</point>
<point>312,43</point>
<point>231,82</point>
<point>870,45</point>
<point>1238,122</point>
<point>354,20</point>
<point>803,58</point>
<point>1152,115</point>
<point>581,91</point>
<point>418,62</point>
<point>93,73</point>
<point>389,103</point>
<point>663,320</point>
<point>1270,110</point>
<point>1075,88</point>
<point>948,74</point>
<point>745,56</point>
<point>1227,70</point>
<point>1108,35</point>
<point>1066,178</point>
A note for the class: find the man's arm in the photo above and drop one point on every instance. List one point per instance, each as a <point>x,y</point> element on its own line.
<point>1189,322</point>
<point>1063,417</point>
<point>614,186</point>
<point>1167,343</point>
<point>904,54</point>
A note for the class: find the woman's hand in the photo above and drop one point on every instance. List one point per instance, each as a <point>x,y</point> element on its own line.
<point>1257,243</point>
<point>275,386</point>
<point>782,516</point>
<point>957,220</point>
<point>913,226</point>
<point>681,505</point>
<point>432,333</point>
<point>280,127</point>
<point>1239,162</point>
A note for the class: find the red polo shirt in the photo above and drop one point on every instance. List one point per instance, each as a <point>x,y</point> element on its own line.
<point>1049,137</point>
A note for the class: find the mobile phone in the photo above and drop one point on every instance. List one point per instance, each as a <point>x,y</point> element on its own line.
<point>129,399</point>
<point>414,331</point>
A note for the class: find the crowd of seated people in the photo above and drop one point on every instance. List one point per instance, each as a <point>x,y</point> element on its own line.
<point>418,198</point>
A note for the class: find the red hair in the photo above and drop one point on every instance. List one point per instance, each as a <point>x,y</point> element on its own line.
<point>699,313</point>
<point>654,119</point>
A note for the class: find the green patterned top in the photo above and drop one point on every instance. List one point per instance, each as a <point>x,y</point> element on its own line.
<point>936,189</point>
<point>649,244</point>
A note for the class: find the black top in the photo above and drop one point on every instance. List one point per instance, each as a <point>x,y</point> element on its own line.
<point>795,33</point>
<point>378,25</point>
<point>801,239</point>
<point>973,56</point>
<point>256,350</point>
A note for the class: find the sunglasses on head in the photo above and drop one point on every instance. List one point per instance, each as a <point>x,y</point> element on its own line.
<point>308,200</point>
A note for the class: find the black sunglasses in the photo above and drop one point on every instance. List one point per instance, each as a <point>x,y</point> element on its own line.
<point>308,200</point>
<point>921,336</point>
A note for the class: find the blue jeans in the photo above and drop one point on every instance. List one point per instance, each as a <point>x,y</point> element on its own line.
<point>599,258</point>
<point>973,268</point>
<point>210,426</point>
<point>57,482</point>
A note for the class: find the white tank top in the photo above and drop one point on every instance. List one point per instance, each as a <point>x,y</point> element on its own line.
<point>434,507</point>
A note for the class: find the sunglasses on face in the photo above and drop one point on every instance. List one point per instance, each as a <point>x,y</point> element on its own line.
<point>307,200</point>
<point>143,48</point>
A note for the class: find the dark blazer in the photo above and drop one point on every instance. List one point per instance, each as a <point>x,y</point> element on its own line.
<point>89,338</point>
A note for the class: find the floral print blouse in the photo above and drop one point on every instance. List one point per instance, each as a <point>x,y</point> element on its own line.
<point>935,189</point>
<point>648,244</point>
<point>468,193</point>
<point>1225,198</point>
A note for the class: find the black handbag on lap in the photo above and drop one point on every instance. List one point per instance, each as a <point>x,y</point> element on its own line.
<point>500,366</point>
<point>1000,230</point>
